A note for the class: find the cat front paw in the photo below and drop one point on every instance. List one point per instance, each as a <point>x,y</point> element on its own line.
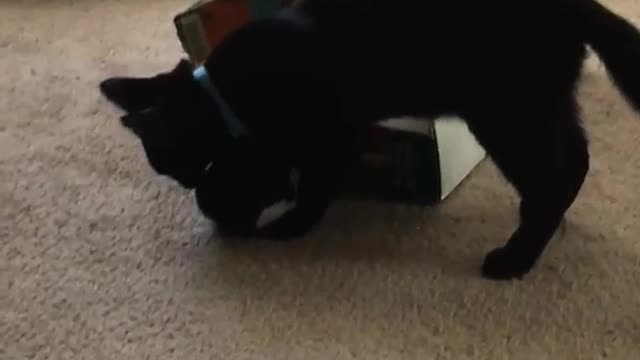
<point>505,264</point>
<point>289,226</point>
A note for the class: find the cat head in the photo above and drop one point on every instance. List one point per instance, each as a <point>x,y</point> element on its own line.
<point>185,137</point>
<point>178,125</point>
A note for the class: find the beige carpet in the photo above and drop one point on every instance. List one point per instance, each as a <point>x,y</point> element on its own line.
<point>99,259</point>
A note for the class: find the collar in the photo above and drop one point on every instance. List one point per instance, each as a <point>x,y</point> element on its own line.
<point>235,127</point>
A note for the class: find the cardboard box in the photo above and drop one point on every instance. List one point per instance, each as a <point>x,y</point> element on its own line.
<point>411,160</point>
<point>415,160</point>
<point>207,22</point>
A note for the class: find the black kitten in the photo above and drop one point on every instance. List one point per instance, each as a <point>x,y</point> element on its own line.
<point>306,81</point>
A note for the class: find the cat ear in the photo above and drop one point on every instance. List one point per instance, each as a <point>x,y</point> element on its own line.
<point>135,122</point>
<point>150,126</point>
<point>146,124</point>
<point>132,94</point>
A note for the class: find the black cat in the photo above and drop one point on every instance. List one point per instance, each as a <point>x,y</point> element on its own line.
<point>293,91</point>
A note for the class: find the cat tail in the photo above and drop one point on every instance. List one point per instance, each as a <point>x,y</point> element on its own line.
<point>616,42</point>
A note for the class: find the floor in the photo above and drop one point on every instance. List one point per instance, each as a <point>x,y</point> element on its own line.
<point>100,259</point>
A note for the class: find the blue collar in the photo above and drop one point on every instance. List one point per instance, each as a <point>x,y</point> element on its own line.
<point>235,127</point>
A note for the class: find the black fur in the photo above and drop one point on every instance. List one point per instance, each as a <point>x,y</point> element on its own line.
<point>307,80</point>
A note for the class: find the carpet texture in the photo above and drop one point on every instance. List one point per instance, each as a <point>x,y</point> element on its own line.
<point>100,259</point>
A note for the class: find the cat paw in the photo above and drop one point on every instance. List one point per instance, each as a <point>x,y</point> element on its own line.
<point>503,264</point>
<point>287,227</point>
<point>235,231</point>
